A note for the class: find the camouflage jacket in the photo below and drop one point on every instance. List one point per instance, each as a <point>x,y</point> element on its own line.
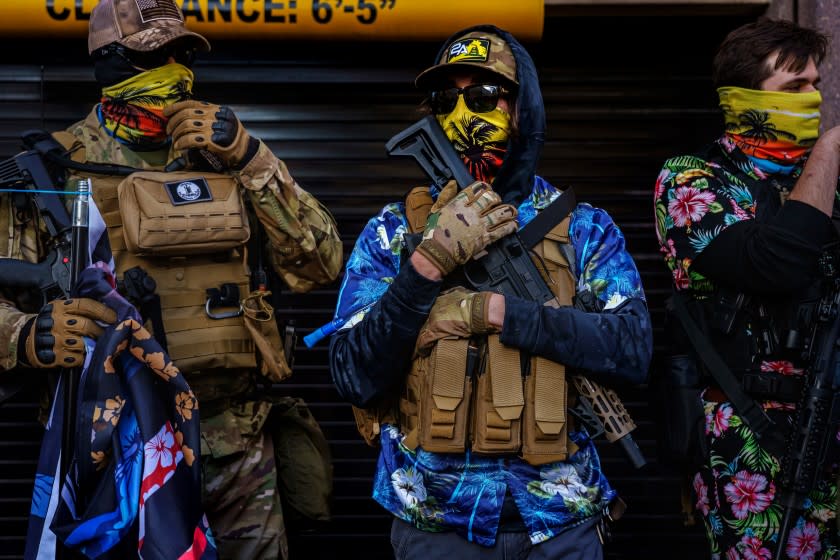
<point>305,248</point>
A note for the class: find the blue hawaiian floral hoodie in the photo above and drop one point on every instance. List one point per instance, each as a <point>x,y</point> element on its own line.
<point>384,301</point>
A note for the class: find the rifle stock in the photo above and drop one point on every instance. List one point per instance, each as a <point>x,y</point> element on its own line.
<point>507,268</point>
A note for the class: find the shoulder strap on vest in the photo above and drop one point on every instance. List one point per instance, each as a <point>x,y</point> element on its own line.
<point>546,220</point>
<point>749,410</point>
<point>72,156</point>
<point>75,148</point>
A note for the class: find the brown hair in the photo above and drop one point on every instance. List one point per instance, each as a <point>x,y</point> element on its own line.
<point>741,60</point>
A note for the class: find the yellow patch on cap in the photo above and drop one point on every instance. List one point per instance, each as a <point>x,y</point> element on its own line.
<point>469,50</point>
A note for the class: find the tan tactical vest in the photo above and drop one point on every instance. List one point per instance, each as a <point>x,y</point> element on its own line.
<point>187,250</point>
<point>492,409</point>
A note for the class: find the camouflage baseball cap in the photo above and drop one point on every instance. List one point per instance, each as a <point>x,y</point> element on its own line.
<point>477,49</point>
<point>140,25</point>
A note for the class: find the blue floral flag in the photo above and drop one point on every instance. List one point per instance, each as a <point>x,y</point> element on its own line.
<point>134,486</point>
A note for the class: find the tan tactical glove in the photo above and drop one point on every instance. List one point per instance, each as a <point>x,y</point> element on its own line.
<point>456,312</point>
<point>461,225</point>
<point>208,136</point>
<point>53,337</point>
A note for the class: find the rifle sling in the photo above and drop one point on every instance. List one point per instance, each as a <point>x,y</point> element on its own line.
<point>55,147</point>
<point>747,408</point>
<point>545,221</point>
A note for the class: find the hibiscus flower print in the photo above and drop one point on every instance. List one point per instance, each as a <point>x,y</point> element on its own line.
<point>660,183</point>
<point>717,421</point>
<point>408,484</point>
<point>160,450</point>
<point>752,548</point>
<point>100,459</point>
<point>746,494</point>
<point>113,408</point>
<point>185,404</point>
<point>689,205</point>
<point>681,278</point>
<point>804,542</point>
<point>702,492</point>
<point>781,366</point>
<point>563,480</point>
<point>738,212</point>
<point>667,248</point>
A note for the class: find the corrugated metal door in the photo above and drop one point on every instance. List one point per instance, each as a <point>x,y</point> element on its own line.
<point>622,94</point>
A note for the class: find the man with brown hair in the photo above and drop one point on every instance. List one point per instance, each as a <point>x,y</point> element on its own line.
<point>743,227</point>
<point>156,157</point>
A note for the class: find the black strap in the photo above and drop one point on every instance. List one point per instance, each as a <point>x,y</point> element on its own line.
<point>545,221</point>
<point>45,144</point>
<point>747,408</point>
<point>139,288</point>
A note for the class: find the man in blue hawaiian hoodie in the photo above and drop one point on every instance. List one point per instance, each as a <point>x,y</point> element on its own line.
<point>508,473</point>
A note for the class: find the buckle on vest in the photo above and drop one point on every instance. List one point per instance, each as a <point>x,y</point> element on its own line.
<point>772,386</point>
<point>226,295</point>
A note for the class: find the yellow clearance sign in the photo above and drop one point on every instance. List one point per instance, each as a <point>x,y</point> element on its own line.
<point>389,20</point>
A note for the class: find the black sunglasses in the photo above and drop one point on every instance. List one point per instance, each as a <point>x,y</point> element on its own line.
<point>480,98</point>
<point>147,60</point>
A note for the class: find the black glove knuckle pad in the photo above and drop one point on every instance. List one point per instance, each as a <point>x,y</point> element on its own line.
<point>44,323</point>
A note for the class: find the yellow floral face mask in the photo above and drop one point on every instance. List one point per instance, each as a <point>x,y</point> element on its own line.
<point>132,110</point>
<point>479,138</point>
<point>771,125</point>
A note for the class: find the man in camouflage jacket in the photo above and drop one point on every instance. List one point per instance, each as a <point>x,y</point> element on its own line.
<point>146,120</point>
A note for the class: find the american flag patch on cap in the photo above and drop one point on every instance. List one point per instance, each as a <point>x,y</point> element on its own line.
<point>158,9</point>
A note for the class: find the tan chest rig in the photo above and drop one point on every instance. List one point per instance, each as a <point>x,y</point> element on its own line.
<point>470,393</point>
<point>187,250</point>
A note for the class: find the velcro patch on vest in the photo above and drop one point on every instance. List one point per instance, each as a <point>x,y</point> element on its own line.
<point>188,191</point>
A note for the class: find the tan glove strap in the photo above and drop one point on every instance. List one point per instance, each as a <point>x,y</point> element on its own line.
<point>437,254</point>
<point>480,303</point>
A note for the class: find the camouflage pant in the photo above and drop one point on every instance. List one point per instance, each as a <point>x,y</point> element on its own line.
<point>241,497</point>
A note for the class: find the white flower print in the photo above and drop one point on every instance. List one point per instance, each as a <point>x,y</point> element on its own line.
<point>408,484</point>
<point>159,450</point>
<point>563,480</point>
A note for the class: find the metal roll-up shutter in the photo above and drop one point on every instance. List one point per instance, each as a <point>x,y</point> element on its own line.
<point>622,94</point>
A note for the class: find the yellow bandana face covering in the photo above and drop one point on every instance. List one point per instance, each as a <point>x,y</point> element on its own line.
<point>132,111</point>
<point>771,125</point>
<point>479,138</point>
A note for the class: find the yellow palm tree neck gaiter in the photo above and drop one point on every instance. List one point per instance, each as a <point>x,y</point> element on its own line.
<point>480,139</point>
<point>771,125</point>
<point>132,111</point>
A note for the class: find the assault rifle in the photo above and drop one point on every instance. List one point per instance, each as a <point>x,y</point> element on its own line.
<point>29,174</point>
<point>818,414</point>
<point>507,268</point>
<point>30,177</point>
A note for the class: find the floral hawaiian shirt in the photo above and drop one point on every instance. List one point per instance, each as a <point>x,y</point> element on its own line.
<point>438,492</point>
<point>696,198</point>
